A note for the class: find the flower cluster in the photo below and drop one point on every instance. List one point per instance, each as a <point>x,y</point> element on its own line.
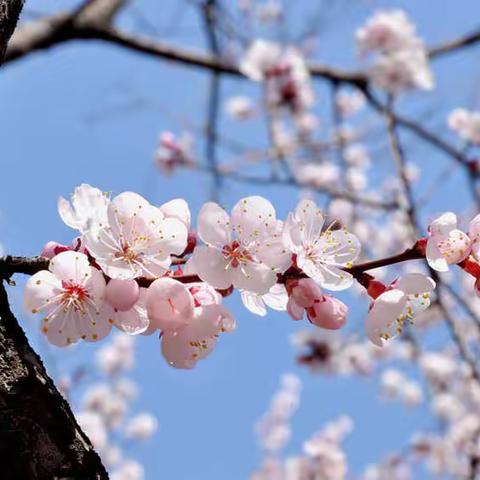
<point>402,61</point>
<point>141,269</point>
<point>284,74</point>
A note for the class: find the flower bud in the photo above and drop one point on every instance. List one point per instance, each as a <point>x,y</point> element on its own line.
<point>328,313</point>
<point>122,294</point>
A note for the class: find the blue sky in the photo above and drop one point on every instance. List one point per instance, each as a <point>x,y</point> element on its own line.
<point>92,113</point>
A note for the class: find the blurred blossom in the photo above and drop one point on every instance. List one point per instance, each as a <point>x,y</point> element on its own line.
<point>142,426</point>
<point>240,108</point>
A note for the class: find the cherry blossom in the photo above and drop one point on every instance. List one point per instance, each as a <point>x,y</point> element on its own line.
<point>138,239</point>
<point>320,253</point>
<point>406,297</point>
<point>466,124</point>
<point>446,244</point>
<point>402,61</point>
<point>87,210</point>
<point>322,310</point>
<point>174,152</point>
<point>387,31</point>
<point>122,294</point>
<point>243,250</point>
<point>402,70</point>
<point>169,305</point>
<point>70,298</point>
<point>183,348</point>
<point>240,108</point>
<point>284,72</point>
<point>142,426</point>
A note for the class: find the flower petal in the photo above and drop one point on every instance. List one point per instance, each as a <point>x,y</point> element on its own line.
<point>253,303</point>
<point>253,218</point>
<point>254,277</point>
<point>383,315</point>
<point>40,291</point>
<point>211,267</point>
<point>434,256</point>
<point>169,304</point>
<point>415,283</point>
<point>213,225</point>
<point>179,209</point>
<point>71,267</point>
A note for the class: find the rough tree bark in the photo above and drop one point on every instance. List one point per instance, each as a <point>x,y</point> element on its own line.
<point>39,436</point>
<point>9,13</point>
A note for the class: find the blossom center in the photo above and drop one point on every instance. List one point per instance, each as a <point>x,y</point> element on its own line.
<point>74,295</point>
<point>236,254</point>
<point>127,253</point>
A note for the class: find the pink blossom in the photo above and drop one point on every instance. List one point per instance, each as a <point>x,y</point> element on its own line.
<point>169,305</point>
<point>138,239</point>
<point>320,253</point>
<point>322,310</point>
<point>328,312</point>
<point>406,297</point>
<point>183,348</point>
<point>87,210</point>
<point>122,294</point>
<point>446,244</point>
<point>174,152</point>
<point>70,297</point>
<point>244,250</point>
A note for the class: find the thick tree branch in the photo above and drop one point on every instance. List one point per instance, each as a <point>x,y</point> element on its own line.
<point>9,14</point>
<point>40,438</point>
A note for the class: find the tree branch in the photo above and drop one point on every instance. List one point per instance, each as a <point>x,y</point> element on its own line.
<point>40,437</point>
<point>9,14</point>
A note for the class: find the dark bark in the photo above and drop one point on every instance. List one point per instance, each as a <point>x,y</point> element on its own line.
<point>9,14</point>
<point>39,436</point>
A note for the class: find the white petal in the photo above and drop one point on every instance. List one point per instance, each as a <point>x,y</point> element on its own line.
<point>384,313</point>
<point>90,204</point>
<point>67,214</point>
<point>212,267</point>
<point>434,257</point>
<point>179,209</point>
<point>71,267</point>
<point>39,291</point>
<point>292,235</point>
<point>254,303</point>
<point>415,283</point>
<point>310,218</point>
<point>339,247</point>
<point>135,320</point>
<point>444,224</point>
<point>253,218</point>
<point>175,234</point>
<point>213,225</point>
<point>254,277</point>
<point>277,297</point>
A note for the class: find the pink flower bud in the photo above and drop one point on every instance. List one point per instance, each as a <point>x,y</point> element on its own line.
<point>304,292</point>
<point>122,294</point>
<point>170,305</point>
<point>328,313</point>
<point>50,249</point>
<point>204,294</point>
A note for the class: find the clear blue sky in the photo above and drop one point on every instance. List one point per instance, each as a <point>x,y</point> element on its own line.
<point>92,113</point>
